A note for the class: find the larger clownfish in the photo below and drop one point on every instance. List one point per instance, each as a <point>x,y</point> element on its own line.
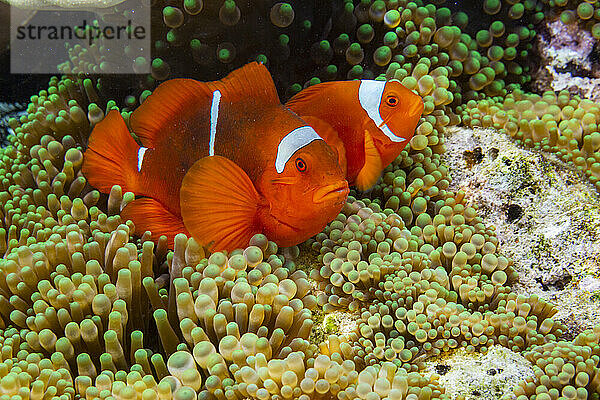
<point>372,122</point>
<point>221,161</point>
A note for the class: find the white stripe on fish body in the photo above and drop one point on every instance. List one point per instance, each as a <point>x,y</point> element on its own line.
<point>291,143</point>
<point>214,116</point>
<point>370,94</point>
<point>141,152</point>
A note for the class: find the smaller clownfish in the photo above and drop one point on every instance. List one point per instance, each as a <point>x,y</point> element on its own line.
<point>221,161</point>
<point>372,122</point>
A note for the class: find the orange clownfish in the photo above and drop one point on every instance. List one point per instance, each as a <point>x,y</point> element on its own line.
<point>221,161</point>
<point>372,122</point>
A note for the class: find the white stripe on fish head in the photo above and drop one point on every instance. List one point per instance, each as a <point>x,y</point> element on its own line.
<point>141,152</point>
<point>370,94</point>
<point>214,116</point>
<point>292,142</point>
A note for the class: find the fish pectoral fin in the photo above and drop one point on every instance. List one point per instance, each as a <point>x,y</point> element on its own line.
<point>149,215</point>
<point>371,170</point>
<point>219,204</point>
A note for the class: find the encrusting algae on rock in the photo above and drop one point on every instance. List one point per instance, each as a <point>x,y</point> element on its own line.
<point>559,123</point>
<point>90,310</point>
<point>546,217</point>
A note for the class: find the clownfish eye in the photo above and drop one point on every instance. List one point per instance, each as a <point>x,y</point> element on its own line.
<point>300,165</point>
<point>392,101</point>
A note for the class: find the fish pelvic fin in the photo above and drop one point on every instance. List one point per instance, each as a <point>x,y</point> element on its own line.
<point>371,170</point>
<point>150,215</point>
<point>219,204</point>
<point>112,156</point>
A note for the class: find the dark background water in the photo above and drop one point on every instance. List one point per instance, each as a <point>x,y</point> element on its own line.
<point>14,87</point>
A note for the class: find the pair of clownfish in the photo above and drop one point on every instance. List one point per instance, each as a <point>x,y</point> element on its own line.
<point>224,160</point>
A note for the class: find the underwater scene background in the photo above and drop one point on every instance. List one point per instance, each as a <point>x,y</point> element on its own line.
<point>438,282</point>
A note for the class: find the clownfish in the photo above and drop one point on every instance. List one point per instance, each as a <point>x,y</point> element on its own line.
<point>221,161</point>
<point>372,122</point>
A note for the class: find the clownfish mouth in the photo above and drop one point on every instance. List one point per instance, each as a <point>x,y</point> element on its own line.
<point>331,193</point>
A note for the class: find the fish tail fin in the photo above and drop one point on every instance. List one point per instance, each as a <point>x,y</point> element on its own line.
<point>111,157</point>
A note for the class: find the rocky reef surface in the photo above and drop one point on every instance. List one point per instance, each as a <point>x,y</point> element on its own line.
<point>546,215</point>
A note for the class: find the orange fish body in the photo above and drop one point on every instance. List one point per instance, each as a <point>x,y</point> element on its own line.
<point>221,161</point>
<point>372,122</point>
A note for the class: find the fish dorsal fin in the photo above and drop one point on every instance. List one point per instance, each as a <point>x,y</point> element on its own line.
<point>177,101</point>
<point>371,170</point>
<point>171,101</point>
<point>252,79</point>
<point>306,96</point>
<point>219,204</point>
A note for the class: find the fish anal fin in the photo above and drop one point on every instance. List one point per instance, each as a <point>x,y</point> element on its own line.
<point>252,78</point>
<point>149,215</point>
<point>371,170</point>
<point>219,204</point>
<point>172,101</point>
<point>330,137</point>
<point>111,156</point>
